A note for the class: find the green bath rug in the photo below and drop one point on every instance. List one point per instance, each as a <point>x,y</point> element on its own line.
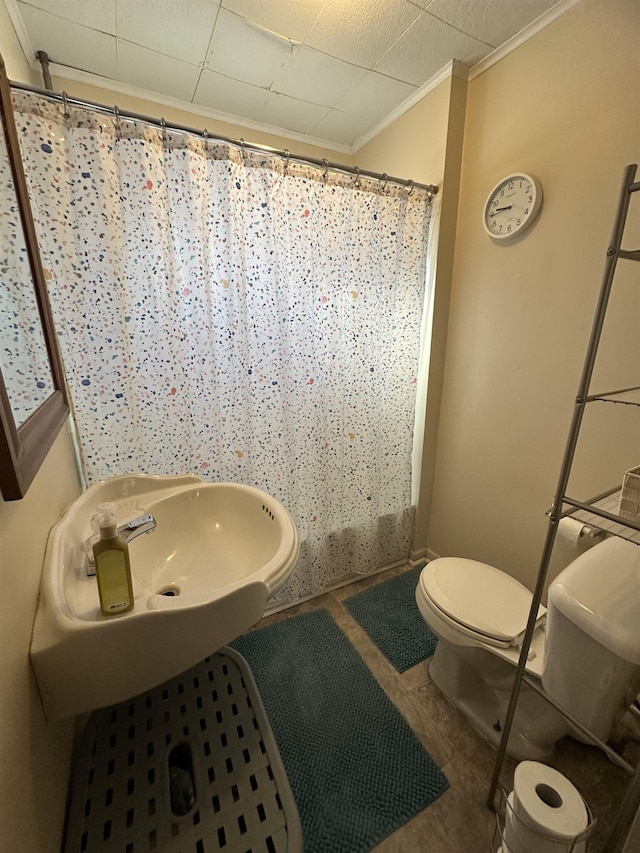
<point>389,614</point>
<point>356,769</point>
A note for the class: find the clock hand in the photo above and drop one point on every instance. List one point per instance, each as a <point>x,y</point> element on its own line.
<point>508,207</point>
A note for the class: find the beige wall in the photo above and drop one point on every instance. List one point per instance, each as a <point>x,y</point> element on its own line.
<point>564,107</point>
<point>34,755</point>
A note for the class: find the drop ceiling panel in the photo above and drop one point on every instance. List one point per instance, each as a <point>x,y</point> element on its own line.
<point>146,69</point>
<point>179,29</point>
<point>290,18</point>
<point>333,69</point>
<point>362,30</point>
<point>70,43</point>
<point>374,96</point>
<point>409,61</point>
<point>267,54</point>
<point>315,77</point>
<point>490,21</point>
<point>96,14</point>
<point>340,127</point>
<point>217,92</point>
<point>290,113</point>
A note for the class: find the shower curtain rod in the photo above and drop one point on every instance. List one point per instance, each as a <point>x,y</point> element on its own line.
<point>161,124</point>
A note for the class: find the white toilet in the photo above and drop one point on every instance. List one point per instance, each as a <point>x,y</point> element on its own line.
<point>585,648</point>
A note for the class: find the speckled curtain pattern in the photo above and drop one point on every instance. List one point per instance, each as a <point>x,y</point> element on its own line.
<point>225,313</point>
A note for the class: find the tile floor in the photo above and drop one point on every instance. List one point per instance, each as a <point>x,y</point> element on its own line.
<point>459,821</point>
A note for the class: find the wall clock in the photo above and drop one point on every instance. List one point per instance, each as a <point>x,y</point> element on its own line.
<point>511,206</point>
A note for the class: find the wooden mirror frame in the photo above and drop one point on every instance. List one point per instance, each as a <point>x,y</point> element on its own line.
<point>23,448</point>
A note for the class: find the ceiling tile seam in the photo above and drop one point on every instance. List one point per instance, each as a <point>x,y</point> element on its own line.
<point>62,18</point>
<point>460,30</point>
<point>519,38</point>
<point>420,11</point>
<point>292,42</point>
<point>371,68</point>
<point>22,34</point>
<point>256,24</point>
<point>315,20</point>
<point>202,64</point>
<point>320,120</point>
<point>402,35</point>
<point>206,53</point>
<point>156,99</point>
<point>158,52</point>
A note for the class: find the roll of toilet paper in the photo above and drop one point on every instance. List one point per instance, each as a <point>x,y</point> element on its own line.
<point>571,530</point>
<point>545,812</point>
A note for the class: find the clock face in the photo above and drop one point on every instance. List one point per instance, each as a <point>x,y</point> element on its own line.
<point>512,206</point>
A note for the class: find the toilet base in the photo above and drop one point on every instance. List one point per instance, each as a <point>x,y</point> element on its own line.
<point>479,684</point>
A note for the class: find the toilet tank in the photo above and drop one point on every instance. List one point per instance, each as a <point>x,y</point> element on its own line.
<point>592,650</point>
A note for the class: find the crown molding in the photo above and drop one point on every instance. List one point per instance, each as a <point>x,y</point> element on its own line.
<point>453,68</point>
<point>21,31</point>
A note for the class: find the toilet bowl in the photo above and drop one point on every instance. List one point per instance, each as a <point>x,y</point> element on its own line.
<point>585,649</point>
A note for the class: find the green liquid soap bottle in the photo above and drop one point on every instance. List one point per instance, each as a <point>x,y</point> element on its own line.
<point>113,572</point>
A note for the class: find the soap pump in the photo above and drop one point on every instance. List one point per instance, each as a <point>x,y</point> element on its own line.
<point>113,570</point>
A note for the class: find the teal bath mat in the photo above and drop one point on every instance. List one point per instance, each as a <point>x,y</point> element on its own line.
<point>356,769</point>
<point>389,614</point>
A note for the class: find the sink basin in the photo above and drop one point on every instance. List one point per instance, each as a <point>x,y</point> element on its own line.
<point>201,578</point>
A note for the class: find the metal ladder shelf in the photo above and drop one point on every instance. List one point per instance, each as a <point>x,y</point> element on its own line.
<point>629,529</point>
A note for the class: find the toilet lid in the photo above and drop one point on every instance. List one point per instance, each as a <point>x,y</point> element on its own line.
<point>478,596</point>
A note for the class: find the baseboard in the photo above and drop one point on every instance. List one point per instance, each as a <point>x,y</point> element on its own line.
<point>278,606</point>
<point>422,554</point>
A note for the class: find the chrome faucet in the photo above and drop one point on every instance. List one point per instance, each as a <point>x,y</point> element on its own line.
<point>129,531</point>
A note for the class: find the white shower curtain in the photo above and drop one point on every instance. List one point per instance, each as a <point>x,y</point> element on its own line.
<point>227,313</point>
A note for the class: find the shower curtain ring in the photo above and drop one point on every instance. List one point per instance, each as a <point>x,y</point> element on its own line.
<point>286,161</point>
<point>356,183</point>
<point>411,187</point>
<point>205,139</point>
<point>325,174</point>
<point>243,151</point>
<point>163,125</point>
<point>385,178</point>
<point>65,105</point>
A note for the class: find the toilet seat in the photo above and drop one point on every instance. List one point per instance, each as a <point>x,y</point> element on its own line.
<point>478,600</point>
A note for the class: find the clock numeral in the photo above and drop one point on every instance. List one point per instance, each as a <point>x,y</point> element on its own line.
<point>519,221</point>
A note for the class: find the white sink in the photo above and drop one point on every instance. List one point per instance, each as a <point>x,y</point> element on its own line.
<point>201,578</point>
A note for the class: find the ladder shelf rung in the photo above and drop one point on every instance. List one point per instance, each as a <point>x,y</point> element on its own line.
<point>629,254</point>
<point>602,513</point>
<point>626,396</point>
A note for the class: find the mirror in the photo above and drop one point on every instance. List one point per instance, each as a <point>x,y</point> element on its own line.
<point>33,405</point>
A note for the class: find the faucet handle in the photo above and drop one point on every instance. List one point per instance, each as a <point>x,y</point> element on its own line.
<point>135,523</point>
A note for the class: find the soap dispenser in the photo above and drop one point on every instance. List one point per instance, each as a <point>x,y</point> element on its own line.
<point>113,570</point>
